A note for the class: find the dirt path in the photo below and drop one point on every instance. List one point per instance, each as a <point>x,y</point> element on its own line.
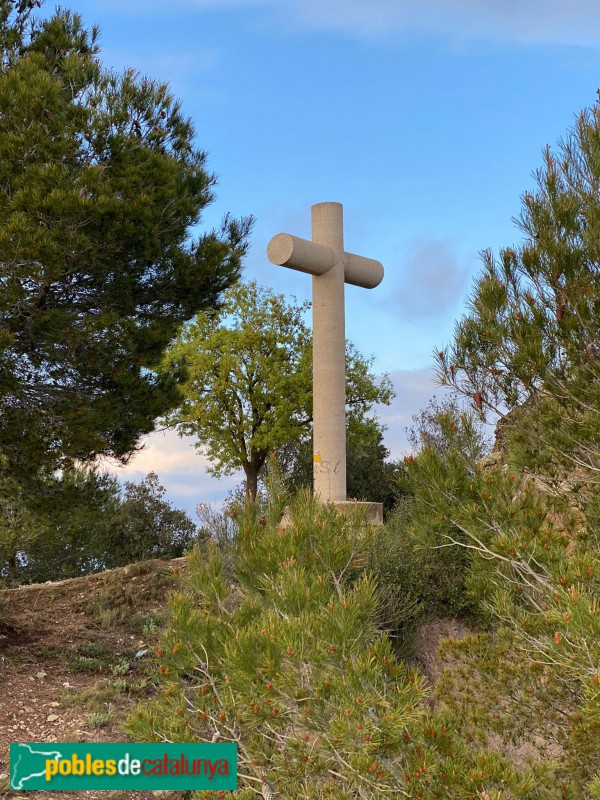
<point>75,657</point>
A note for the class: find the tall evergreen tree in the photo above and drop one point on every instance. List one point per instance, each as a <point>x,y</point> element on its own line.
<point>532,334</point>
<point>102,181</point>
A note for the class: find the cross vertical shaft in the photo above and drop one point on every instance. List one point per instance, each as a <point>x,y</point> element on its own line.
<point>325,259</point>
<point>329,359</point>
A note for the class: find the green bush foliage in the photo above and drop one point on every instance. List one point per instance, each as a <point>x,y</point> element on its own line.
<point>530,346</point>
<point>288,661</point>
<point>419,577</point>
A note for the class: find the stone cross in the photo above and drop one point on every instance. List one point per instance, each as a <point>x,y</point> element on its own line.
<point>325,259</point>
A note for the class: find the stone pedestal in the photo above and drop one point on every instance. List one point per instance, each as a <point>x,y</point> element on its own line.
<point>374,511</point>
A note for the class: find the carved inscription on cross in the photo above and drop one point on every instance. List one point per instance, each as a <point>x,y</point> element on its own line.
<point>325,259</point>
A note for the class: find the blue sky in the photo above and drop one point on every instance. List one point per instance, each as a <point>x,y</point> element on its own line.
<point>425,118</point>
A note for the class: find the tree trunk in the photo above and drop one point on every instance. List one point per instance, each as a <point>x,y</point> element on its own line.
<point>13,570</point>
<point>251,469</point>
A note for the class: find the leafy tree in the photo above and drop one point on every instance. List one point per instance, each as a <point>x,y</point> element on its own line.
<point>102,182</point>
<point>20,528</point>
<point>82,522</point>
<point>248,390</point>
<point>147,526</point>
<point>57,530</point>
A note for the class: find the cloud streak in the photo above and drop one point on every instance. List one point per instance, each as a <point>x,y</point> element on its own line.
<point>532,22</point>
<point>536,21</point>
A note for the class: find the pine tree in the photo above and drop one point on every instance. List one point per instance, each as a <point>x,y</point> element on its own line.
<point>532,336</point>
<point>529,350</point>
<point>102,181</point>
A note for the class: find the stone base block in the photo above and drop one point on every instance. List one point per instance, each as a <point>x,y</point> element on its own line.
<point>374,511</point>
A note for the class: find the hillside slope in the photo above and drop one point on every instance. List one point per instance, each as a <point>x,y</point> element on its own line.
<point>75,656</point>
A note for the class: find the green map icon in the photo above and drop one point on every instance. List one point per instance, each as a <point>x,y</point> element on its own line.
<point>28,763</point>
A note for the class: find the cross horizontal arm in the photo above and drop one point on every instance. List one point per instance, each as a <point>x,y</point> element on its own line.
<point>301,254</point>
<point>317,259</point>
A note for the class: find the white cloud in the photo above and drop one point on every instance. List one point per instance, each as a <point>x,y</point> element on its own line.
<point>533,21</point>
<point>164,452</point>
<point>180,468</point>
<point>523,21</point>
<point>146,6</point>
<point>515,20</point>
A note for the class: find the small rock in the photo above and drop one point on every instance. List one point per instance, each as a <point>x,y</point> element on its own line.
<point>54,705</point>
<point>52,717</point>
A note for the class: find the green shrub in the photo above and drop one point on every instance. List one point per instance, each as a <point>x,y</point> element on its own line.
<point>417,578</point>
<point>288,660</point>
